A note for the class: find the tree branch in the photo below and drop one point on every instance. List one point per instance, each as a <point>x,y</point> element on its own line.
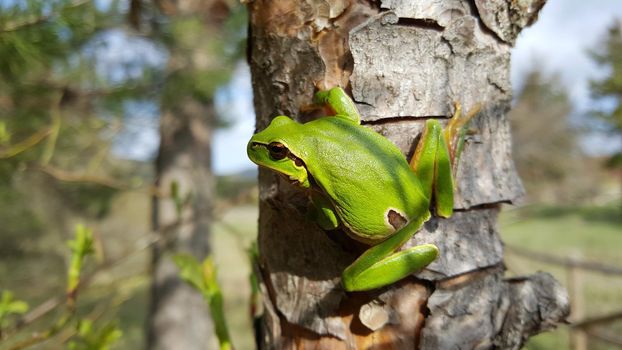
<point>25,144</point>
<point>22,23</point>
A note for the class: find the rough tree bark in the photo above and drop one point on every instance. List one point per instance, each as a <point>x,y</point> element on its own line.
<point>402,61</point>
<point>179,317</point>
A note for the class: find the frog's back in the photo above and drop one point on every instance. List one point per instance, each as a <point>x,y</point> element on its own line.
<point>364,174</point>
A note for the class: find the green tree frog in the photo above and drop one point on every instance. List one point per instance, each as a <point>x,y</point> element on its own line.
<point>359,181</point>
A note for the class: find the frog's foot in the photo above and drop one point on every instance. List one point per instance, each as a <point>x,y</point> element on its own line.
<point>456,129</point>
<point>390,269</point>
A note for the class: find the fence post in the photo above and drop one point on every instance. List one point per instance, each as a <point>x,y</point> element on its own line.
<point>578,336</point>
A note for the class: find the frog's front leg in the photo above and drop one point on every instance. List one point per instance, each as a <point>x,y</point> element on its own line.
<point>322,212</point>
<point>339,103</point>
<point>381,265</point>
<point>432,164</point>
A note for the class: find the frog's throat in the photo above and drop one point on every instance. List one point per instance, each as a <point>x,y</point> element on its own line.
<point>304,182</point>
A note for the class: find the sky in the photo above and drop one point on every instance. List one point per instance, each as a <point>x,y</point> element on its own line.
<point>557,43</point>
<point>560,40</point>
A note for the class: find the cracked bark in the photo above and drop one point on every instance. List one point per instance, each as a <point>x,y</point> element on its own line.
<point>402,62</point>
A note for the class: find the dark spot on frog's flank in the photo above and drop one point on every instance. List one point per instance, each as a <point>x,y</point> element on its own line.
<point>395,219</point>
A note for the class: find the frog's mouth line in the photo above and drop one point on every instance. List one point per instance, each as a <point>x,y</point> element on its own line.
<point>299,163</point>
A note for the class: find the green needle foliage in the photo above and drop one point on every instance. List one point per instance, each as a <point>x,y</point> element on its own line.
<point>61,109</point>
<point>609,88</point>
<point>87,336</point>
<point>202,277</point>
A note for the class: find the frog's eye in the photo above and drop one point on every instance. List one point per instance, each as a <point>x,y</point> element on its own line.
<point>277,150</point>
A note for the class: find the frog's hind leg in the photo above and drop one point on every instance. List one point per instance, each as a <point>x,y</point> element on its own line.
<point>436,157</point>
<point>381,265</point>
<point>432,164</point>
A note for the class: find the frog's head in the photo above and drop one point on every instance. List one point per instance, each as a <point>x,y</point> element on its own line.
<point>269,148</point>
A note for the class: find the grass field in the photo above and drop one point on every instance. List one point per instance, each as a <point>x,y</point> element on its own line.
<point>592,233</point>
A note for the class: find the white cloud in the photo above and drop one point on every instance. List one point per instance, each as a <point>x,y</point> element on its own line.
<point>559,42</point>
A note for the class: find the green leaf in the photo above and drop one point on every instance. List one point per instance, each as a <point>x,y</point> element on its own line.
<point>89,337</point>
<point>9,306</point>
<point>203,278</point>
<point>177,199</point>
<point>5,136</point>
<point>190,271</point>
<point>81,246</point>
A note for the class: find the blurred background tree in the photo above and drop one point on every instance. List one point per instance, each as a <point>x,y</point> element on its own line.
<point>546,145</point>
<point>607,91</point>
<point>203,40</point>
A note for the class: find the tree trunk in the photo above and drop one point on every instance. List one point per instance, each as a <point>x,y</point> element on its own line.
<point>179,317</point>
<point>402,61</point>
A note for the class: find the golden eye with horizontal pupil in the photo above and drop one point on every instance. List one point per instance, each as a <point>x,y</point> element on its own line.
<point>277,150</point>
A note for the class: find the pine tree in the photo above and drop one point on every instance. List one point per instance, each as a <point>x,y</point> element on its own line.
<point>608,90</point>
<point>545,144</point>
